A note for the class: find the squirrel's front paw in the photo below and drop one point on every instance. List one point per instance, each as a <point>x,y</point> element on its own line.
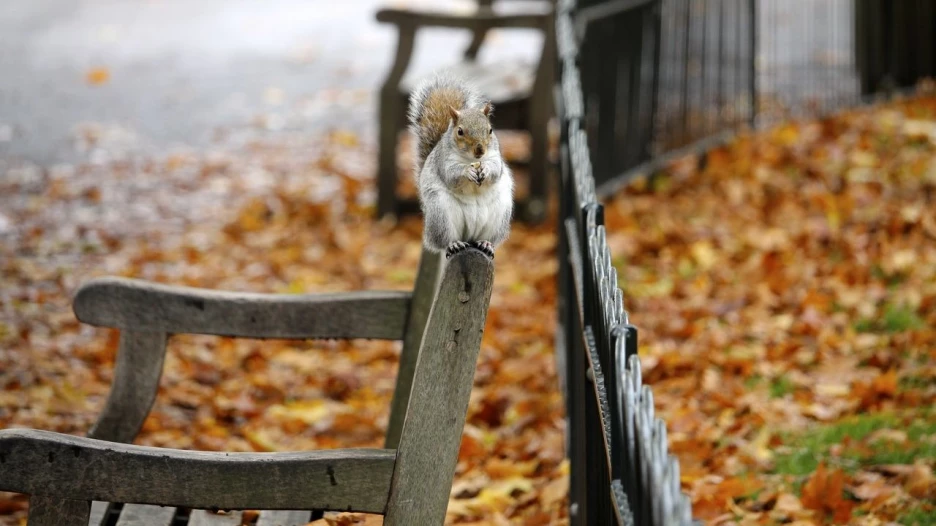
<point>455,247</point>
<point>486,247</point>
<point>476,173</point>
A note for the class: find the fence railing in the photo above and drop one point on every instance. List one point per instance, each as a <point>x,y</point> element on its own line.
<point>622,472</point>
<point>727,65</point>
<point>645,81</point>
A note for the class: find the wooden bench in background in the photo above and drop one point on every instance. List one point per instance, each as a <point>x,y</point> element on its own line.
<point>521,92</point>
<point>76,481</point>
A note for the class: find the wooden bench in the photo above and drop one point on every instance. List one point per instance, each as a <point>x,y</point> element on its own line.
<point>521,92</point>
<point>76,481</point>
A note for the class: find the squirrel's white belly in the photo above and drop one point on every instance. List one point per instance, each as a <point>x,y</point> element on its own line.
<point>476,217</point>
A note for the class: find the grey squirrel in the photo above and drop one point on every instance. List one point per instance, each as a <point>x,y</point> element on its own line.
<point>465,187</point>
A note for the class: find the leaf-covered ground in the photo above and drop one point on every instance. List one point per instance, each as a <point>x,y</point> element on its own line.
<point>786,297</point>
<point>285,216</point>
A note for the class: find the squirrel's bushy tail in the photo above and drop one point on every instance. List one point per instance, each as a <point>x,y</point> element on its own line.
<point>429,115</point>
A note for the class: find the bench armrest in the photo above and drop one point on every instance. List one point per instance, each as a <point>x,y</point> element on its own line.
<point>483,18</point>
<point>139,305</point>
<point>62,466</point>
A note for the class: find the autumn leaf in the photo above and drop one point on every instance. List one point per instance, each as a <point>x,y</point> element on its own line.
<point>783,293</point>
<point>824,493</point>
<point>921,483</point>
<point>97,76</point>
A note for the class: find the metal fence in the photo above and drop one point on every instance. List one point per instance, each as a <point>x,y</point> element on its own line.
<point>721,66</point>
<point>642,82</point>
<point>621,470</point>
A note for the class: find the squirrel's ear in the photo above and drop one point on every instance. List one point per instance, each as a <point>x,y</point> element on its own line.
<point>454,113</point>
<point>488,108</point>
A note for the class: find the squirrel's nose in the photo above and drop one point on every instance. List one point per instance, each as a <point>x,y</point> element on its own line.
<point>479,151</point>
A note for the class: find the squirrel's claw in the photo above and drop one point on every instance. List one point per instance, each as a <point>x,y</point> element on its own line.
<point>454,248</point>
<point>476,174</point>
<point>486,247</point>
<point>479,175</point>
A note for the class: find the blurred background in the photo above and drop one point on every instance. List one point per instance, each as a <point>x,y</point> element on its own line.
<point>761,172</point>
<point>159,74</point>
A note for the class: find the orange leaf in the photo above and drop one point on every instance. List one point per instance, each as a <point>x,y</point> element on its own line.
<point>97,76</point>
<point>823,493</point>
<point>921,483</point>
<point>886,384</point>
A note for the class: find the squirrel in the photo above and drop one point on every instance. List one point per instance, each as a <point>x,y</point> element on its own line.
<point>465,187</point>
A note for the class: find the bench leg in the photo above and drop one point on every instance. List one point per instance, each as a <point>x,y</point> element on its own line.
<point>535,206</point>
<point>136,381</point>
<point>541,111</point>
<point>386,157</point>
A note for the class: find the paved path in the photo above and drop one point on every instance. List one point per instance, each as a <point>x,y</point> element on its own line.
<point>180,70</point>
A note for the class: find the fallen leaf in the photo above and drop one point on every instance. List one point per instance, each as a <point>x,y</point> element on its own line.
<point>97,76</point>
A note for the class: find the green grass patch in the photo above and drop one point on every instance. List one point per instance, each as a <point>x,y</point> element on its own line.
<point>752,381</point>
<point>895,319</point>
<point>899,319</point>
<point>781,387</point>
<point>806,450</point>
<point>908,383</point>
<point>920,516</point>
<point>890,279</point>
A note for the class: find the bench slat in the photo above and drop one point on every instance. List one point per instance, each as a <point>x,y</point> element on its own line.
<point>501,82</point>
<point>435,417</point>
<point>99,513</point>
<point>146,515</point>
<point>205,518</point>
<point>136,382</point>
<point>529,18</point>
<point>284,518</point>
<point>68,467</point>
<point>152,307</point>
<point>424,292</point>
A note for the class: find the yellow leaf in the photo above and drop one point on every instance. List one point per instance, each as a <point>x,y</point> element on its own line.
<point>704,254</point>
<point>308,411</point>
<point>97,76</point>
<point>260,440</point>
<point>345,138</point>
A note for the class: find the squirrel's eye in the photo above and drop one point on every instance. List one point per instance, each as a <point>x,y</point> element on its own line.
<point>461,131</point>
<point>490,130</point>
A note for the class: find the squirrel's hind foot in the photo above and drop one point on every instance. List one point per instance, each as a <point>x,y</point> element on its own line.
<point>455,247</point>
<point>486,247</point>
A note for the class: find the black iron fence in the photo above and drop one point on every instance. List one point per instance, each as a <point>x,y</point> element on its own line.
<point>714,67</point>
<point>621,470</point>
<point>644,81</point>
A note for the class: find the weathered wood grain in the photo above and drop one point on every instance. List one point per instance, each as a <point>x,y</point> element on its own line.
<point>58,512</point>
<point>53,464</point>
<point>284,518</point>
<point>151,307</point>
<point>435,416</point>
<point>501,82</point>
<point>391,123</point>
<point>145,515</point>
<point>484,18</point>
<point>206,518</point>
<point>99,513</point>
<point>136,381</point>
<point>424,293</point>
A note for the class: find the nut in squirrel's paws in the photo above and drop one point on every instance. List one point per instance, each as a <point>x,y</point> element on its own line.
<point>455,248</point>
<point>477,172</point>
